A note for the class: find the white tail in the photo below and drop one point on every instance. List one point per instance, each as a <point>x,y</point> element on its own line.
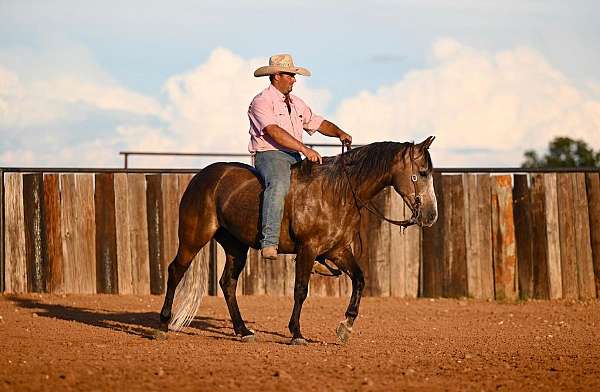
<point>188,294</point>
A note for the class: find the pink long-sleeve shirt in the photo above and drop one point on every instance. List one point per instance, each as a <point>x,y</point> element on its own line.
<point>268,108</point>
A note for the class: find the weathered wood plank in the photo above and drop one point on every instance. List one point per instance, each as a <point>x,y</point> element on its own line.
<point>541,289</point>
<point>55,278</point>
<point>15,274</point>
<point>566,224</point>
<point>397,248</point>
<point>345,286</point>
<point>524,235</point>
<point>433,246</point>
<point>69,232</point>
<point>275,273</point>
<point>360,248</point>
<point>85,235</point>
<point>378,239</point>
<point>583,246</point>
<point>170,217</point>
<point>124,263</point>
<point>138,228</point>
<point>332,287</point>
<point>290,274</point>
<point>35,245</point>
<point>503,238</point>
<point>106,234</point>
<point>455,255</point>
<point>412,256</point>
<point>473,236</point>
<point>485,235</point>
<point>593,194</point>
<point>154,209</point>
<point>553,236</point>
<point>2,240</point>
<point>254,274</point>
<point>478,210</point>
<point>219,265</point>
<point>317,286</point>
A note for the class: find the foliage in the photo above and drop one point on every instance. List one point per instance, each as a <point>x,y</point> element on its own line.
<point>564,152</point>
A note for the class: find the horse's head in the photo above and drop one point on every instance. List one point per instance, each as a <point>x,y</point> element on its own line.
<point>412,178</point>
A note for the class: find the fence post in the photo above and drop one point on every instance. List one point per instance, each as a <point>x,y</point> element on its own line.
<point>2,231</point>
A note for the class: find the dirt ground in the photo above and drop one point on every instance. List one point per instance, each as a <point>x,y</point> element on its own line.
<point>101,342</point>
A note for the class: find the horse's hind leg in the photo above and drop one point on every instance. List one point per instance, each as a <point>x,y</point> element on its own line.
<point>190,243</point>
<point>176,271</point>
<point>344,259</point>
<point>236,254</point>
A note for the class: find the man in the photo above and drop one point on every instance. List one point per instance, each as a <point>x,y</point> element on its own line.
<point>277,120</point>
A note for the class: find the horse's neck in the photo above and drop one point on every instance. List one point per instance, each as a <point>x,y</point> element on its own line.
<point>367,188</point>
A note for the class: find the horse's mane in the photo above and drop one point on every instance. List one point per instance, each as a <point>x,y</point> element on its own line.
<point>370,161</point>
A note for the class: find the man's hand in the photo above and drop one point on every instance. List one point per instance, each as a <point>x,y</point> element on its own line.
<point>345,138</point>
<point>312,155</point>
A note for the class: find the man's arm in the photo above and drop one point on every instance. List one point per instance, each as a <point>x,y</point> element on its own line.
<point>281,137</point>
<point>330,129</point>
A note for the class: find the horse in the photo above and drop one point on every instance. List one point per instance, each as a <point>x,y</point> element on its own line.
<point>321,216</point>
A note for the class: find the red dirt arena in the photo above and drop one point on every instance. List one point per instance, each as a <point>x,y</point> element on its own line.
<point>104,342</point>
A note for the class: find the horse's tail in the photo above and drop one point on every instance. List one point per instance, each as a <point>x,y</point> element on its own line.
<point>188,294</point>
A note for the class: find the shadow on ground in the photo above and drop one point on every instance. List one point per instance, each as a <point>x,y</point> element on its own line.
<point>143,324</point>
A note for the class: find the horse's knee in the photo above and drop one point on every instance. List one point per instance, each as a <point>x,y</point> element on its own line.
<point>360,281</point>
<point>176,270</point>
<point>228,285</point>
<point>300,291</point>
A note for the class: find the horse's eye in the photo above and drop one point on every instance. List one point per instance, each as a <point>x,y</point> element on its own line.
<point>423,173</point>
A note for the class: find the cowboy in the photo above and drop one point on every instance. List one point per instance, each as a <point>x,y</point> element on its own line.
<point>277,121</point>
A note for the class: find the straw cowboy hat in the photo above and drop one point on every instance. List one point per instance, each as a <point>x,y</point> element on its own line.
<point>281,63</point>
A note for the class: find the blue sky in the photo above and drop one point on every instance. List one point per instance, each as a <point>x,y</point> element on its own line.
<point>80,81</point>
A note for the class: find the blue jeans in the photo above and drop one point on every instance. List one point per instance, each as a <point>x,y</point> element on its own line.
<point>275,169</point>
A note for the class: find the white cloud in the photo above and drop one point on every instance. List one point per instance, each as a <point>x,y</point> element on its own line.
<point>485,108</point>
<point>208,106</point>
<point>204,110</point>
<point>501,103</point>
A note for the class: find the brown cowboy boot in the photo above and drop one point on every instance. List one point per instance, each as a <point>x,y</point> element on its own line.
<point>269,252</point>
<point>325,268</point>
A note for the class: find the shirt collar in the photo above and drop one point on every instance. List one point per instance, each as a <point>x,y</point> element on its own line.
<point>278,93</point>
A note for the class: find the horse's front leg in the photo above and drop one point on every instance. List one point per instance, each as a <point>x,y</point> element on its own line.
<point>346,261</point>
<point>304,263</point>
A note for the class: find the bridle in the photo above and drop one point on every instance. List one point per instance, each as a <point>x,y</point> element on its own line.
<point>415,208</point>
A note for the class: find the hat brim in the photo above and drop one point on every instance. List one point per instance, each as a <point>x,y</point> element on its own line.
<point>271,70</point>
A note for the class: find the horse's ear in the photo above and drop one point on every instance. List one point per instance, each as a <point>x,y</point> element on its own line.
<point>427,142</point>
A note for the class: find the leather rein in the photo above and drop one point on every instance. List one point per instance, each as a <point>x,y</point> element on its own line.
<point>372,209</point>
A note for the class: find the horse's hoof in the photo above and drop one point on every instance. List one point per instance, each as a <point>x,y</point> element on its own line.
<point>248,338</point>
<point>163,327</point>
<point>343,332</point>
<point>157,334</point>
<point>298,342</point>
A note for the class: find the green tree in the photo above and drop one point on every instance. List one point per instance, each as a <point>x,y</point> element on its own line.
<point>564,152</point>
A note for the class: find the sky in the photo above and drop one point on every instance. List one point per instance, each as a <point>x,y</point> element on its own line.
<point>82,81</point>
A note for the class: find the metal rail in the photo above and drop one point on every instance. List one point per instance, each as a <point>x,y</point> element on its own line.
<point>447,170</point>
<point>126,154</point>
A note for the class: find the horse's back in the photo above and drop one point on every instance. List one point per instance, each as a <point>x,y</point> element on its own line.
<point>232,191</point>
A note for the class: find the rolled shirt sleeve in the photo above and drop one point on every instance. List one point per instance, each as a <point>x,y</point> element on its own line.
<point>310,121</point>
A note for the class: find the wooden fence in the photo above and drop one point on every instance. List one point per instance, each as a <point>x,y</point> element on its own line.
<point>499,237</point>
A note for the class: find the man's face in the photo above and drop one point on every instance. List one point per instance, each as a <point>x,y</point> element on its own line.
<point>285,82</point>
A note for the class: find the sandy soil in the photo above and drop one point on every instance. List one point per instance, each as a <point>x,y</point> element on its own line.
<point>100,342</point>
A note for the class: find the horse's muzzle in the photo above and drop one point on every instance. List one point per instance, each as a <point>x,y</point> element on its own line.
<point>427,218</point>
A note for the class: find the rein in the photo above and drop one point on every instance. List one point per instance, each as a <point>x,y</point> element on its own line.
<point>371,208</point>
